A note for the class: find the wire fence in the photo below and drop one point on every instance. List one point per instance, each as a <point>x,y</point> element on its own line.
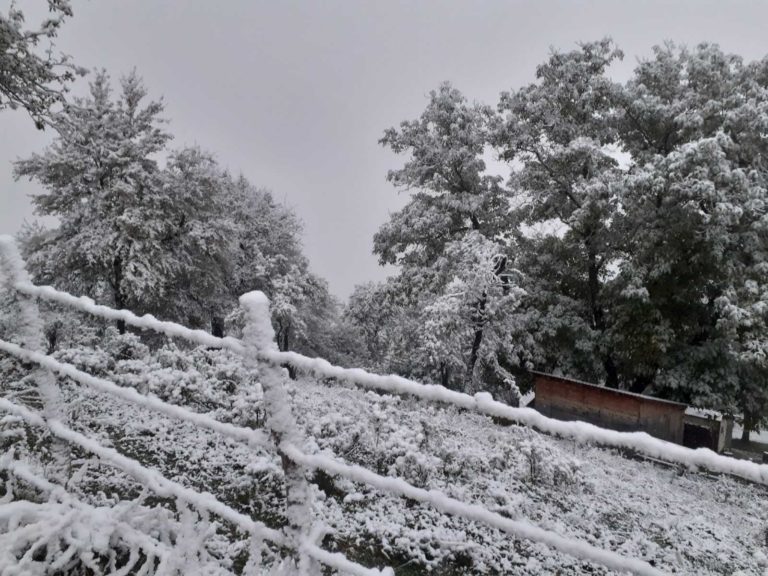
<point>282,434</point>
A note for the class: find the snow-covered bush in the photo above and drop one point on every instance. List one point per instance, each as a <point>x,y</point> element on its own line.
<point>44,531</point>
<point>544,464</point>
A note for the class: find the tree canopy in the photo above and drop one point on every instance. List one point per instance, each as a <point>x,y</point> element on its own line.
<point>631,231</point>
<point>28,79</point>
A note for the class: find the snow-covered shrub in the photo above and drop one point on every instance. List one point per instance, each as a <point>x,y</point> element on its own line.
<point>545,464</point>
<point>46,532</point>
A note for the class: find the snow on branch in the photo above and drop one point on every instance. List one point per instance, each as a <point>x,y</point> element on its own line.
<point>340,562</point>
<point>91,515</point>
<point>474,512</point>
<point>246,435</point>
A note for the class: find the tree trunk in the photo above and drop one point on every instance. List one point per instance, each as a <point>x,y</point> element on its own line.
<point>476,341</point>
<point>217,326</point>
<point>598,317</point>
<point>117,290</point>
<point>445,375</point>
<point>611,373</point>
<point>747,426</point>
<point>283,342</point>
<point>640,383</point>
<point>499,266</point>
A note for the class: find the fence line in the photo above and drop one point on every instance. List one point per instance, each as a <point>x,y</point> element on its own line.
<point>164,487</point>
<point>259,344</point>
<point>153,479</point>
<point>161,486</point>
<point>32,336</point>
<point>482,403</point>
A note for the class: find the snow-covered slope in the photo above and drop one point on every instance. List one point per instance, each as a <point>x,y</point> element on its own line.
<point>682,522</point>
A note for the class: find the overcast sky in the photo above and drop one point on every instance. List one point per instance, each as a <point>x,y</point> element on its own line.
<point>296,94</point>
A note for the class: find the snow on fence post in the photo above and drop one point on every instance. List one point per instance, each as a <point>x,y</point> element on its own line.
<point>258,336</point>
<point>32,336</point>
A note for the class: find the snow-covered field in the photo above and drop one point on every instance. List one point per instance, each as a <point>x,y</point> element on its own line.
<point>681,522</point>
<point>761,436</point>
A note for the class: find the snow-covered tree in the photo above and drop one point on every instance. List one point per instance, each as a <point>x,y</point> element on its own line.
<point>27,79</point>
<point>456,218</point>
<point>201,236</point>
<point>558,131</point>
<point>694,224</point>
<point>267,255</point>
<point>102,182</point>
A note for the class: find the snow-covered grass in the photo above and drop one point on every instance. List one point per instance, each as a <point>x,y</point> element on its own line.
<point>481,402</point>
<point>422,486</point>
<point>679,521</point>
<point>760,437</point>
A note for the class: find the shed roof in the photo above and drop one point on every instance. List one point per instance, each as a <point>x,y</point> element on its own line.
<point>611,390</point>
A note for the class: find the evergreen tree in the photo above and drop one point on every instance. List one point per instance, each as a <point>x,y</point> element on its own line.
<point>103,184</point>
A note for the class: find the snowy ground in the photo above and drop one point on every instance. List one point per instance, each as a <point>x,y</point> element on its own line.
<point>682,522</point>
<point>761,437</point>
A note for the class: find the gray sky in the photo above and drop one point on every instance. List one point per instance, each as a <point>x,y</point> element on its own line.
<point>296,94</point>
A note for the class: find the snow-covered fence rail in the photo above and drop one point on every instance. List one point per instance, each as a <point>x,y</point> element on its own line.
<point>482,403</point>
<point>258,345</point>
<point>164,487</point>
<point>282,427</point>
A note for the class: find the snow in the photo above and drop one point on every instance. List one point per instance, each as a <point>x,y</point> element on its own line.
<point>340,562</point>
<point>704,413</point>
<point>31,332</point>
<point>150,478</point>
<point>482,403</point>
<point>247,435</point>
<point>145,322</point>
<point>258,335</point>
<point>59,494</point>
<point>474,512</point>
<point>164,487</point>
<point>760,437</point>
<point>259,344</point>
<point>681,522</point>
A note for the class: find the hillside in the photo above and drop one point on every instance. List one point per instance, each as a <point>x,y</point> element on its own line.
<point>680,521</point>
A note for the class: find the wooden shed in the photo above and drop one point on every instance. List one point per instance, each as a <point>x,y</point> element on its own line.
<point>707,429</point>
<point>568,399</point>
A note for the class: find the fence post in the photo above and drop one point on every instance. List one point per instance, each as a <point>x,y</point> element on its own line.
<point>32,337</point>
<point>258,335</point>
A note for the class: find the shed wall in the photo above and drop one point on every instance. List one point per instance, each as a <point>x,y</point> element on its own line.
<point>572,400</point>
